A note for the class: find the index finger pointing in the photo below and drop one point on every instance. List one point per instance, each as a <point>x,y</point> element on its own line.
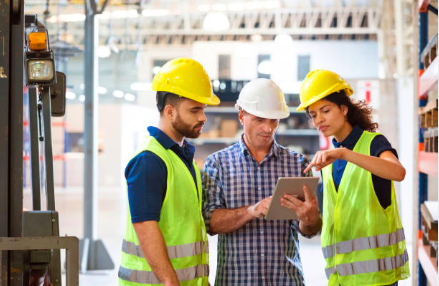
<point>308,168</point>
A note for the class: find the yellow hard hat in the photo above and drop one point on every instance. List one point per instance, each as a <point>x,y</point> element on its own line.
<point>319,84</point>
<point>186,78</point>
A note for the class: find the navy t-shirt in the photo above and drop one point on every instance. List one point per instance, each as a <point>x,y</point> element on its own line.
<point>147,175</point>
<point>378,145</point>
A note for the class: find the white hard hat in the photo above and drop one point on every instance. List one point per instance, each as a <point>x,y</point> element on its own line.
<point>263,98</point>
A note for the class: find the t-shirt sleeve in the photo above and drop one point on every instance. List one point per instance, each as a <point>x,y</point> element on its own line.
<point>382,186</point>
<point>379,145</point>
<point>146,176</point>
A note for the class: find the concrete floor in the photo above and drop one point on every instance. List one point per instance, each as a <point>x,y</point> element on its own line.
<point>111,226</point>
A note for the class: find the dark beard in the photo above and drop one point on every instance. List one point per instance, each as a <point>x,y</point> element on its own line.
<point>185,129</point>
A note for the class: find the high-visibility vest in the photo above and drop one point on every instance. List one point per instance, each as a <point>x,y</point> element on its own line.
<point>181,223</point>
<point>363,244</point>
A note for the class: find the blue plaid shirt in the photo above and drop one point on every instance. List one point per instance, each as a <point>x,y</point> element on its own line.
<point>261,252</point>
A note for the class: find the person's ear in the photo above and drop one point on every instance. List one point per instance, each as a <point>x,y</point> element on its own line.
<point>169,111</point>
<point>344,109</point>
<point>241,117</point>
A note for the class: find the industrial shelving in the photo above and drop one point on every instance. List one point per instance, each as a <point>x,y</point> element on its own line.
<point>427,156</point>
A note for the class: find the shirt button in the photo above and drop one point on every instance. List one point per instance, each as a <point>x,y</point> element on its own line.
<point>263,277</point>
<point>262,232</point>
<point>262,255</point>
<point>259,189</point>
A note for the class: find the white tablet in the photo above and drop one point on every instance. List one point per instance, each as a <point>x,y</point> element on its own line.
<point>292,186</point>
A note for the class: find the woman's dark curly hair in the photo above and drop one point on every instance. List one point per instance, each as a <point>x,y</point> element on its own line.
<point>359,113</point>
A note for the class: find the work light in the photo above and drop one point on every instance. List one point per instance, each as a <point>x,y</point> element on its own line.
<point>40,70</point>
<point>40,66</point>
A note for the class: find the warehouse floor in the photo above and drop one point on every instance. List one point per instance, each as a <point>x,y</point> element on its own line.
<point>111,226</point>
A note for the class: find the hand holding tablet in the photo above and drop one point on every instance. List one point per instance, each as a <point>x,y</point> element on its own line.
<point>292,186</point>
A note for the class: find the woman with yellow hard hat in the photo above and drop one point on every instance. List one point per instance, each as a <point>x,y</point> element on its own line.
<point>362,239</point>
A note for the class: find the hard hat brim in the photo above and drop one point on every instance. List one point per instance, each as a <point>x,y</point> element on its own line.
<point>313,100</point>
<point>267,114</point>
<point>212,100</point>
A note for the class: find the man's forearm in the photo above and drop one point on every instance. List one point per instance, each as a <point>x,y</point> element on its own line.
<point>154,248</point>
<point>227,220</point>
<point>311,229</point>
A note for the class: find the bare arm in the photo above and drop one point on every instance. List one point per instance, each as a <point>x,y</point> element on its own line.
<point>154,247</point>
<point>385,166</point>
<point>228,220</point>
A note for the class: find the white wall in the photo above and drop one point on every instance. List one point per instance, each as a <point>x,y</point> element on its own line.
<point>351,59</point>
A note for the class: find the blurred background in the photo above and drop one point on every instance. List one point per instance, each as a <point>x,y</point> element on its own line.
<point>379,47</point>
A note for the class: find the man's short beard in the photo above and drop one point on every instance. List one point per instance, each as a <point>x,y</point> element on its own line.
<point>185,129</point>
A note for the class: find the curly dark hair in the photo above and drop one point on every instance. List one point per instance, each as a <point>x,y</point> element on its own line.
<point>359,113</point>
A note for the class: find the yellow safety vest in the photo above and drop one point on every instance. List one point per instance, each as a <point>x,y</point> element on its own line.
<point>363,244</point>
<point>181,223</point>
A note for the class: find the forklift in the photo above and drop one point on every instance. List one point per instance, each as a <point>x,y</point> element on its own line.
<point>30,244</point>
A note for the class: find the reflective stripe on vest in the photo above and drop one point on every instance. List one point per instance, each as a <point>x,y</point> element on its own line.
<point>369,266</point>
<point>148,277</point>
<point>364,243</point>
<point>176,251</point>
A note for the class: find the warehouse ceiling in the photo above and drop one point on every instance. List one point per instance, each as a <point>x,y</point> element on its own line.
<point>131,23</point>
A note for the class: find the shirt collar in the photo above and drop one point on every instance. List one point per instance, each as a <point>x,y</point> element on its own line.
<point>274,151</point>
<point>161,137</point>
<point>187,150</point>
<point>352,139</point>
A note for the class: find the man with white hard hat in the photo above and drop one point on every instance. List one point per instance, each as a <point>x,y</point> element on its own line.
<point>237,187</point>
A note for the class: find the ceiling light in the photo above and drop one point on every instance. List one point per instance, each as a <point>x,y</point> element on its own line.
<point>102,90</point>
<point>256,38</point>
<point>104,51</point>
<point>216,21</point>
<point>70,95</point>
<point>118,93</point>
<point>283,39</point>
<point>129,97</point>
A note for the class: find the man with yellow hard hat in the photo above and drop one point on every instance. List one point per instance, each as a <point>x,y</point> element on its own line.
<point>165,240</point>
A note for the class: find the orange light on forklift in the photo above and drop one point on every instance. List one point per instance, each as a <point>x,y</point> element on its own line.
<point>37,41</point>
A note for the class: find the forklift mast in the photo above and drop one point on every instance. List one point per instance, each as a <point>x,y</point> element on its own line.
<point>29,240</point>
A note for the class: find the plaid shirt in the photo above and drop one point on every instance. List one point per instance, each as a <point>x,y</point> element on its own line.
<point>261,252</point>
